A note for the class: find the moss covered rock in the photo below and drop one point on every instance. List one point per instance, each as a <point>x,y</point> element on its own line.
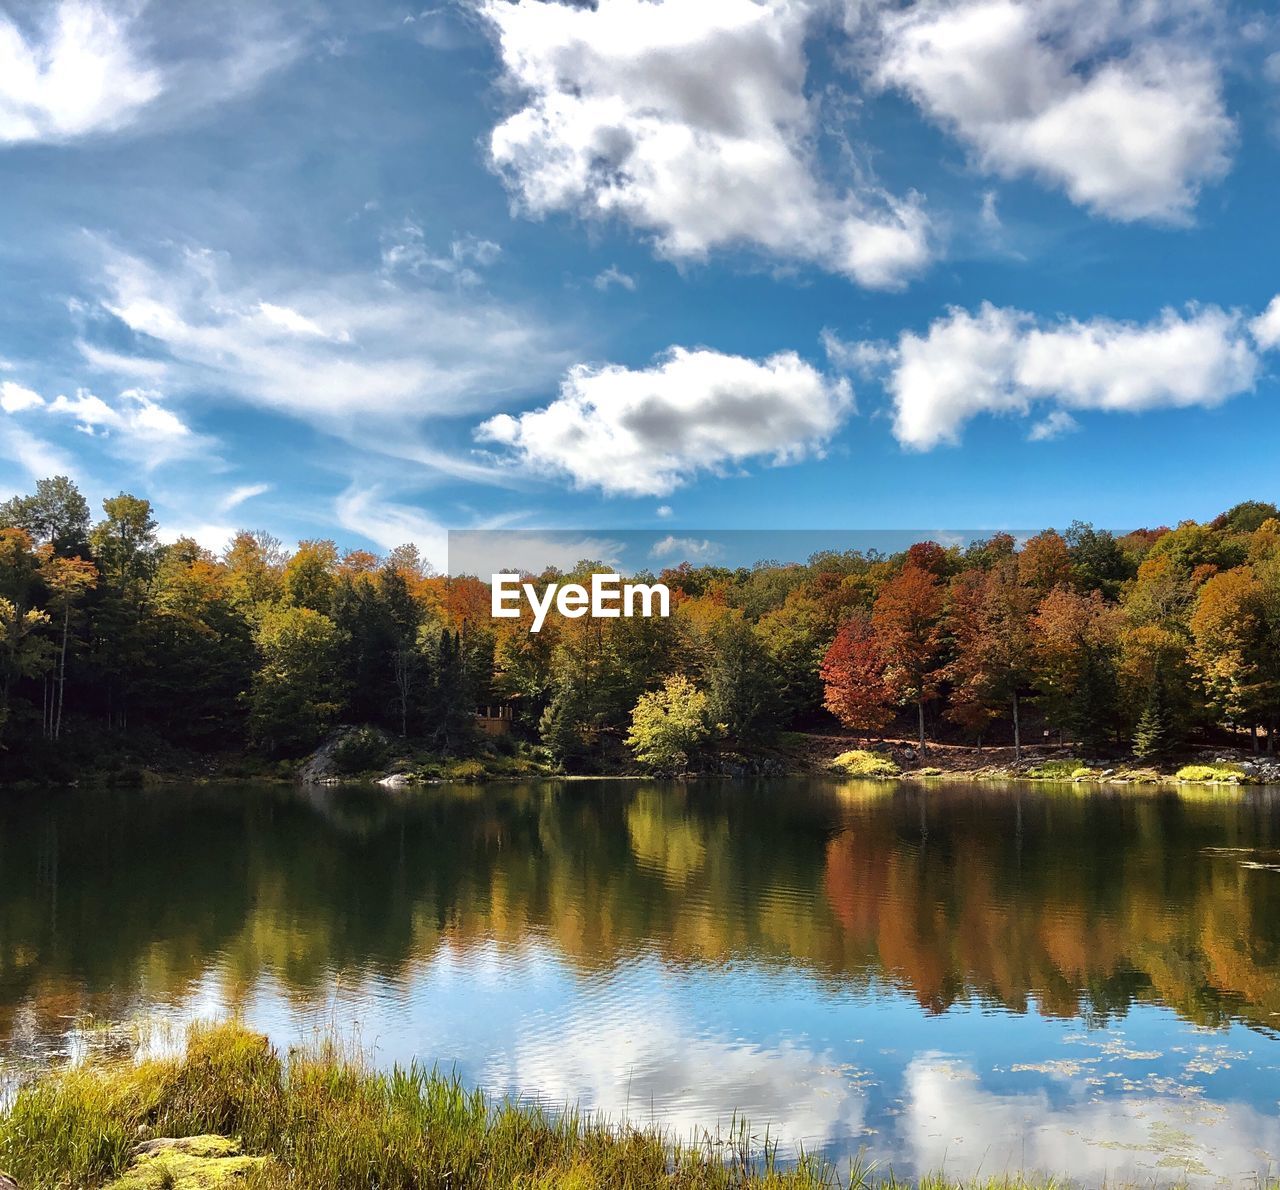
<point>188,1163</point>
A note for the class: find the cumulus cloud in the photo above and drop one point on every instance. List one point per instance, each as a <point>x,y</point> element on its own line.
<point>1265,329</point>
<point>690,122</point>
<point>14,398</point>
<point>1118,105</point>
<point>339,351</point>
<point>644,432</point>
<point>85,67</point>
<point>78,73</point>
<point>1001,360</point>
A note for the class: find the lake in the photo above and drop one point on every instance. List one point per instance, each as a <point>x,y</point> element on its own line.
<point>975,978</point>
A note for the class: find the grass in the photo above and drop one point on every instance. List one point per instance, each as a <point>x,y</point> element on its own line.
<point>861,763</point>
<point>329,1121</point>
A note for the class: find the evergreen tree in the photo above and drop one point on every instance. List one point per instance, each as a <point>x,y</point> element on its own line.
<point>1155,736</point>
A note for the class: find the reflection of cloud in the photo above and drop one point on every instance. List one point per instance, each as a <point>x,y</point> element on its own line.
<point>632,1050</point>
<point>950,1122</point>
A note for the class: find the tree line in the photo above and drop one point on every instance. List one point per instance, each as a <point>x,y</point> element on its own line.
<point>1145,640</point>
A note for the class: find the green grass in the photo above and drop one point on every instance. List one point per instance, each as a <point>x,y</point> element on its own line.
<point>329,1121</point>
<point>861,763</point>
<point>1231,773</point>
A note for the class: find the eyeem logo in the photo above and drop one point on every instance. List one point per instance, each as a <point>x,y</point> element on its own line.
<point>608,598</point>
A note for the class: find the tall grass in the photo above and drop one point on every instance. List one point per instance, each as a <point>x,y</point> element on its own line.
<point>330,1121</point>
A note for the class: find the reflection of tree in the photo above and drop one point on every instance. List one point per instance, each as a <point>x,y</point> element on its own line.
<point>1076,903</point>
<point>1081,911</point>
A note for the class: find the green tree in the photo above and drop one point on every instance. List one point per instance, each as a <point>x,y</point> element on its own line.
<point>296,691</point>
<point>667,726</point>
<point>741,682</point>
<point>1155,737</point>
<point>57,515</point>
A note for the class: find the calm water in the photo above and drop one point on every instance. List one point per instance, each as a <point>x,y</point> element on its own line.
<point>960,977</point>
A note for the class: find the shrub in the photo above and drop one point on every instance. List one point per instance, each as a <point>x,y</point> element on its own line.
<point>1085,773</point>
<point>1054,770</point>
<point>861,763</point>
<point>466,770</point>
<point>360,751</point>
<point>1231,773</point>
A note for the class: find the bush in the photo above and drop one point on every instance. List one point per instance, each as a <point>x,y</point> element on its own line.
<point>1085,773</point>
<point>466,770</point>
<point>360,751</point>
<point>1055,770</point>
<point>861,763</point>
<point>1231,773</point>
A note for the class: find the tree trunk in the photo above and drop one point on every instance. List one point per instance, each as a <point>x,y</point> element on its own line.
<point>1017,730</point>
<point>920,712</point>
<point>62,668</point>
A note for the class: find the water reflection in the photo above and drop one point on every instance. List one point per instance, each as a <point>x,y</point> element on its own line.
<point>986,977</point>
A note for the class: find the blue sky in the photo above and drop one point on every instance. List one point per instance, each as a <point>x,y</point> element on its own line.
<point>368,271</point>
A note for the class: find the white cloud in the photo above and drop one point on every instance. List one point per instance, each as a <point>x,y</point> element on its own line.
<point>644,432</point>
<point>614,276</point>
<point>139,427</point>
<point>1119,105</point>
<point>237,496</point>
<point>84,67</point>
<point>80,74</point>
<point>689,548</point>
<point>14,398</point>
<point>691,122</point>
<point>1265,329</point>
<point>341,351</point>
<point>406,250</point>
<point>1004,361</point>
<point>365,511</point>
<point>664,511</point>
<point>1058,422</point>
<point>38,458</point>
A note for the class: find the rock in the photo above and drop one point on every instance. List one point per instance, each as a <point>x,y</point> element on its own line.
<point>188,1163</point>
<point>7,1183</point>
<point>319,768</point>
<point>396,780</point>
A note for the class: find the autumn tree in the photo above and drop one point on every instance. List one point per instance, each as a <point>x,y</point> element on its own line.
<point>907,623</point>
<point>854,689</point>
<point>68,580</point>
<point>1074,643</point>
<point>989,618</point>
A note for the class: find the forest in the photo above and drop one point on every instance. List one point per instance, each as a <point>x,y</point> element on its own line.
<point>1143,643</point>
